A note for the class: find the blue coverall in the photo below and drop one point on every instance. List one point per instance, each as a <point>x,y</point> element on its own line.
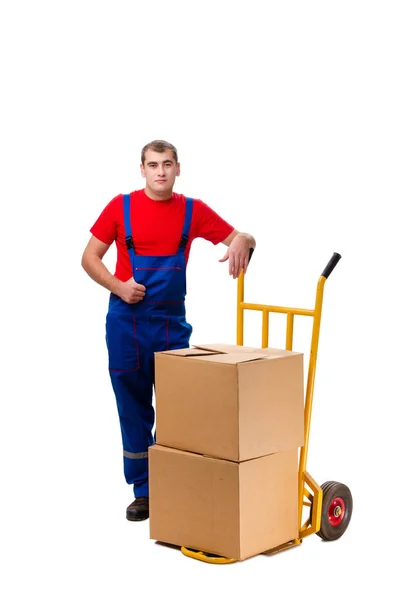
<point>134,332</point>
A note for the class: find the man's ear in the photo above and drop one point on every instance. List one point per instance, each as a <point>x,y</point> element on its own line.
<point>143,171</point>
<point>178,169</point>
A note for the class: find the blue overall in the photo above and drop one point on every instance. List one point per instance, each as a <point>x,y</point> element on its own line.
<point>134,332</point>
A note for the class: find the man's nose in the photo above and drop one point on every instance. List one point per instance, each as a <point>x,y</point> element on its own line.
<point>161,170</point>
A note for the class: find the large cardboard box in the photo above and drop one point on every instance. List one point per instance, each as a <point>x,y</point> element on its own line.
<point>236,510</point>
<point>232,402</point>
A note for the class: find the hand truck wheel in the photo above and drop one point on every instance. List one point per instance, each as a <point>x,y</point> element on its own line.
<point>336,510</point>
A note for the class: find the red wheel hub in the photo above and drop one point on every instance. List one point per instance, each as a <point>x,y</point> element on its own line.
<point>336,511</point>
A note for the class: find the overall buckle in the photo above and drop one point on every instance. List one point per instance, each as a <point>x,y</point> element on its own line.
<point>184,241</point>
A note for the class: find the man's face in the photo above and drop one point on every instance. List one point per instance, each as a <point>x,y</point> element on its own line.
<point>159,170</point>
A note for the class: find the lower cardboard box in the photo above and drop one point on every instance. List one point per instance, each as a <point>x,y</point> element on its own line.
<point>233,509</point>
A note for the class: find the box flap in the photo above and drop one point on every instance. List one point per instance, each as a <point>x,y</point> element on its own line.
<point>188,352</point>
<point>233,359</point>
<point>231,354</point>
<point>227,348</point>
<point>277,352</point>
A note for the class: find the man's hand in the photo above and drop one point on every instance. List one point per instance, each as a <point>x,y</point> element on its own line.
<point>238,254</point>
<point>130,291</point>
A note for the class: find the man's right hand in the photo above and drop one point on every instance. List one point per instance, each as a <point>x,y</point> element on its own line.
<point>130,291</point>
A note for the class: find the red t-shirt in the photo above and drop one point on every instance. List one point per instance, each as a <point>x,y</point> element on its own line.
<point>156,227</point>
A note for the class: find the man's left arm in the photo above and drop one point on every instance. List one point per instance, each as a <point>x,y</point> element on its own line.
<point>238,252</point>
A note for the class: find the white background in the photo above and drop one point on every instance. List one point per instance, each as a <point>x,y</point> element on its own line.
<point>284,115</point>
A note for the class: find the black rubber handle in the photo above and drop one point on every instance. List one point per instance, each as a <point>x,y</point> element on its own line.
<point>331,265</point>
<point>250,254</point>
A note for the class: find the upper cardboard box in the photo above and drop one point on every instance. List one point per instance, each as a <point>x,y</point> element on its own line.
<point>232,402</point>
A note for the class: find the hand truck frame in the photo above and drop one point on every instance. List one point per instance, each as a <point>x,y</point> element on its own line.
<point>330,504</point>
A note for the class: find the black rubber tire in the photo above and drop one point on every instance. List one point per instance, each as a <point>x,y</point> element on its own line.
<point>332,490</point>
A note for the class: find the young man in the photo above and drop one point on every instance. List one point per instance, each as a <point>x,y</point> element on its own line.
<point>153,229</point>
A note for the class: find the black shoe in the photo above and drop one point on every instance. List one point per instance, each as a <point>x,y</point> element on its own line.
<point>139,509</point>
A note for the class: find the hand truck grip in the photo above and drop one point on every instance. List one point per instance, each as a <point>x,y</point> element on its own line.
<point>331,265</point>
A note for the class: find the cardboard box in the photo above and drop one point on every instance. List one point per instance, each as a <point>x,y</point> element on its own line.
<point>232,402</point>
<point>235,510</point>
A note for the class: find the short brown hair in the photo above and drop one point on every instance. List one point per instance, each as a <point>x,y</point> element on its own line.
<point>159,146</point>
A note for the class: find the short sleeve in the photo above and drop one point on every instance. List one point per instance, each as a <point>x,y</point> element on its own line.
<point>105,227</point>
<point>209,225</point>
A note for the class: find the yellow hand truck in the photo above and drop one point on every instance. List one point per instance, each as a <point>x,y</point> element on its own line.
<point>330,504</point>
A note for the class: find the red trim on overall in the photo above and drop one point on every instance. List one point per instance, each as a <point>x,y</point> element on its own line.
<point>157,268</point>
<point>136,345</point>
<point>154,302</point>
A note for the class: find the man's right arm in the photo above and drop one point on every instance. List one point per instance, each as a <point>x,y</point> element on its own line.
<point>92,263</point>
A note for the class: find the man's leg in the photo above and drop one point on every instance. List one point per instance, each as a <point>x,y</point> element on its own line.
<point>131,373</point>
<point>133,393</point>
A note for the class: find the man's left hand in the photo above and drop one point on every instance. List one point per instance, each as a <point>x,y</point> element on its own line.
<point>238,254</point>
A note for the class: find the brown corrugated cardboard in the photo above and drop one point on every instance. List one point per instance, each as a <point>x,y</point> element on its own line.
<point>236,510</point>
<point>232,402</point>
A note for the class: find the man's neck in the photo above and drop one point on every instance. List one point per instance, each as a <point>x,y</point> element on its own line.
<point>166,195</point>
